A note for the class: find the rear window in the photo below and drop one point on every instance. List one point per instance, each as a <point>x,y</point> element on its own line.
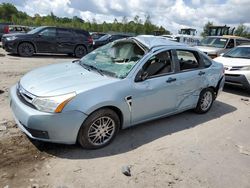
<point>242,41</point>
<point>82,32</point>
<point>64,32</point>
<point>206,60</point>
<point>187,59</point>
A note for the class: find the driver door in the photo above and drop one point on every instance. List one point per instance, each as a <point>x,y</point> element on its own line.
<point>46,41</point>
<point>155,95</point>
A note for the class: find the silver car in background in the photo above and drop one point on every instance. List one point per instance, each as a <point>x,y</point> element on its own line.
<point>123,83</point>
<point>213,46</point>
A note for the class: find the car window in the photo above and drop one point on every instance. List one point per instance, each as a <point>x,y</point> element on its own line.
<point>230,43</point>
<point>206,60</point>
<point>238,52</point>
<point>64,33</point>
<point>187,60</point>
<point>158,64</point>
<point>214,42</point>
<point>241,41</point>
<point>50,32</point>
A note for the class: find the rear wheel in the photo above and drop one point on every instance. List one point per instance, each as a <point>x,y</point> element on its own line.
<point>206,100</point>
<point>99,129</point>
<point>26,49</point>
<point>80,51</point>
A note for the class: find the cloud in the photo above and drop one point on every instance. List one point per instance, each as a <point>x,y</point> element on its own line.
<point>172,14</point>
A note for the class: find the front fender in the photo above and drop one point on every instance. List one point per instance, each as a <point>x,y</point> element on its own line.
<point>90,101</point>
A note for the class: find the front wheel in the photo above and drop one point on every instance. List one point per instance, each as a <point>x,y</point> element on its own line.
<point>26,49</point>
<point>99,129</point>
<point>205,101</point>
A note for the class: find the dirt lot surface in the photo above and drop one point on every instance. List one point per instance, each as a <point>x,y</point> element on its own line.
<point>185,150</point>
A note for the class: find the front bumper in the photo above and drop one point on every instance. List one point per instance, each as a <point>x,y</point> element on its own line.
<point>50,127</point>
<point>9,46</point>
<point>237,79</point>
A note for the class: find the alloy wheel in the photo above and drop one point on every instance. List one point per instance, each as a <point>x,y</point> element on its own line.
<point>101,130</point>
<point>206,100</point>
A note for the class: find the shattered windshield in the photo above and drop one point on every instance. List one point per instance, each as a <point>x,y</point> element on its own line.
<point>214,42</point>
<point>114,59</point>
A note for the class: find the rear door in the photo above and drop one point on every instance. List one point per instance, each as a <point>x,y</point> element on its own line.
<point>190,78</point>
<point>65,40</point>
<point>45,41</point>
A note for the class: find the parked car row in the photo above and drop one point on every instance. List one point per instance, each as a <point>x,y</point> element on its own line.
<point>77,42</point>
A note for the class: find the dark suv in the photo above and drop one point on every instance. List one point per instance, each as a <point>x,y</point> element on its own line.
<point>49,40</point>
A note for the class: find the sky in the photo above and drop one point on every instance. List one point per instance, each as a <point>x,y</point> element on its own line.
<point>172,15</point>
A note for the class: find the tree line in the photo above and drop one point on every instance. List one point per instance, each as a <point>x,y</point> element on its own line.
<point>9,13</point>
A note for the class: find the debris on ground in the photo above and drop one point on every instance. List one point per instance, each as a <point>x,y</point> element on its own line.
<point>2,55</point>
<point>243,150</point>
<point>35,185</point>
<point>126,170</point>
<point>244,99</point>
<point>1,91</point>
<point>3,128</point>
<point>77,170</point>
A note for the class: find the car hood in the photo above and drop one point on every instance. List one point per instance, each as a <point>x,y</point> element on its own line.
<point>62,78</point>
<point>227,61</point>
<point>15,34</point>
<point>209,49</point>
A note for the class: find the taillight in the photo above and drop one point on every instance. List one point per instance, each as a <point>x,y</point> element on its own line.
<point>6,29</point>
<point>90,40</point>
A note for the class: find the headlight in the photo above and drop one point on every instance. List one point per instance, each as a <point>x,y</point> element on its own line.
<point>11,38</point>
<point>52,104</point>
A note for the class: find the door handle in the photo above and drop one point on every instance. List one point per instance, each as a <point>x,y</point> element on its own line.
<point>201,73</point>
<point>171,80</point>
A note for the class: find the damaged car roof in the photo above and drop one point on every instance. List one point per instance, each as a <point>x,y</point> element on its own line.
<point>151,41</point>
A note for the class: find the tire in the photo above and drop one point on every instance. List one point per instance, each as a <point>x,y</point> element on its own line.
<point>26,49</point>
<point>92,135</point>
<point>80,51</point>
<point>205,101</point>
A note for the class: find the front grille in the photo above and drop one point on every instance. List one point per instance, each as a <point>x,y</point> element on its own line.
<point>25,96</point>
<point>233,75</point>
<point>234,68</point>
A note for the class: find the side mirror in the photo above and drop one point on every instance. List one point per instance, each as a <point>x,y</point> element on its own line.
<point>141,76</point>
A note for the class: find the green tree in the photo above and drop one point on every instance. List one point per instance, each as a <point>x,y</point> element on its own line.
<point>206,29</point>
<point>7,10</point>
<point>242,31</point>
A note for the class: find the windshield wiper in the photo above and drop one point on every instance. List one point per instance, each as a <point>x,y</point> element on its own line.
<point>89,67</point>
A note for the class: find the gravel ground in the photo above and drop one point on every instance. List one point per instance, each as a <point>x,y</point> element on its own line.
<point>184,150</point>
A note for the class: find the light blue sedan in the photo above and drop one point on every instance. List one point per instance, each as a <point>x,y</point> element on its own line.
<point>121,84</point>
